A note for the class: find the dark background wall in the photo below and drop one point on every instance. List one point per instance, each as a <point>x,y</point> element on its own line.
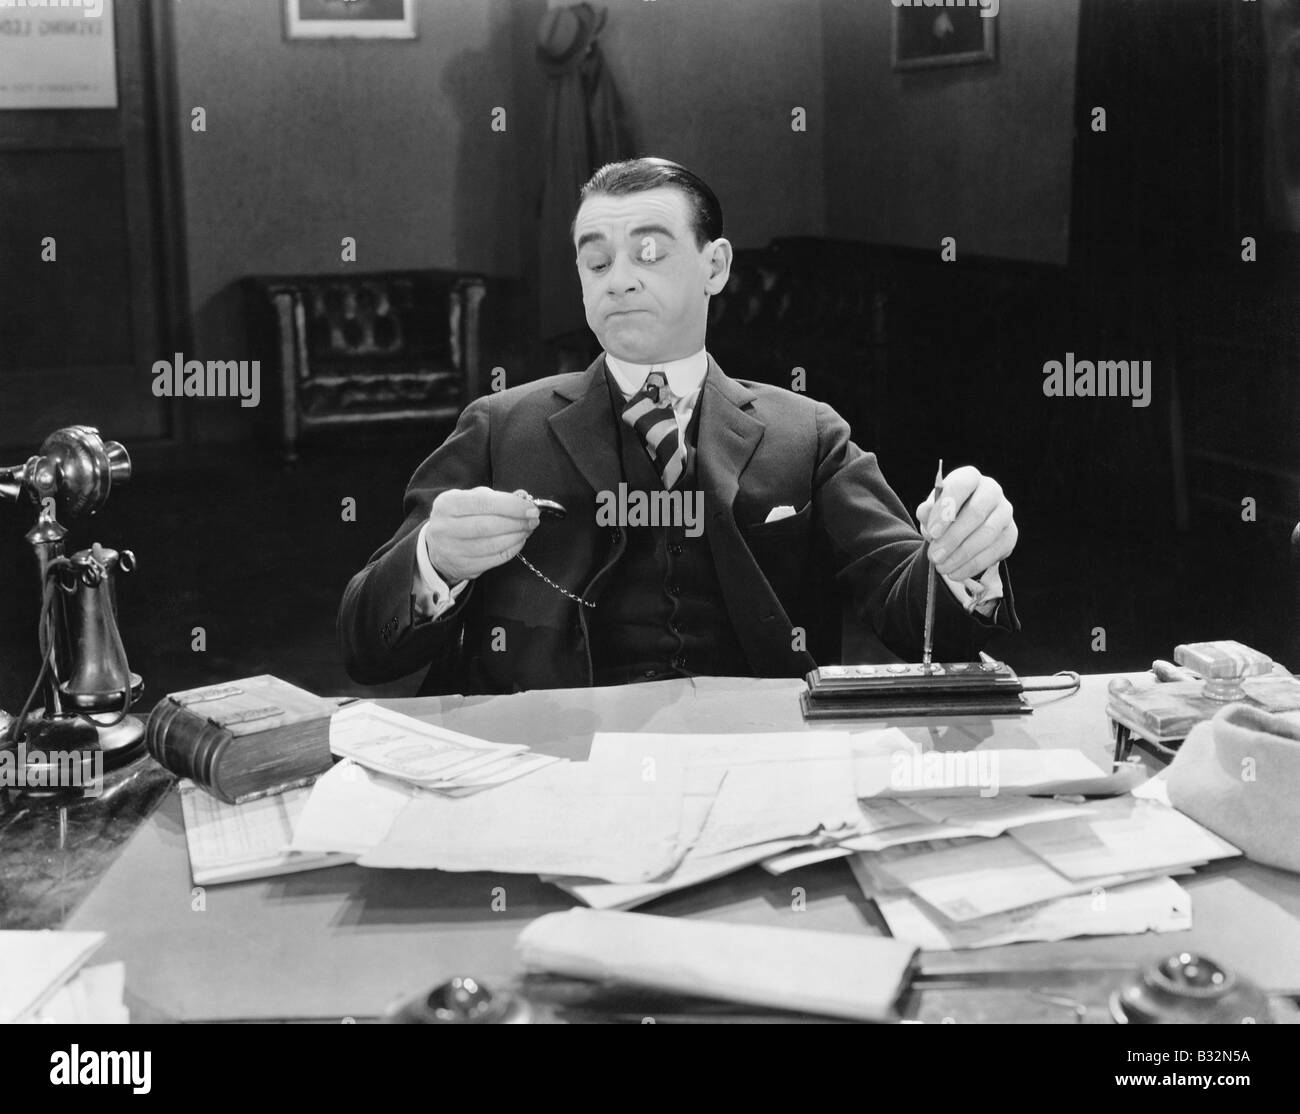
<point>980,153</point>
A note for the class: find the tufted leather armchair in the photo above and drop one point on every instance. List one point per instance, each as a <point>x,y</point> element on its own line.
<point>352,349</point>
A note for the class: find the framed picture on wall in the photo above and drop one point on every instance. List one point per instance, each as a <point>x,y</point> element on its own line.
<point>925,37</point>
<point>349,19</point>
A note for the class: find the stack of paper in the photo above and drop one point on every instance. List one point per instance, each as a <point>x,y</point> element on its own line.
<point>93,996</point>
<point>1101,869</point>
<point>966,849</point>
<point>568,818</point>
<point>906,803</point>
<point>776,792</point>
<point>350,810</point>
<point>645,815</point>
<point>959,848</point>
<point>905,771</point>
<point>231,843</point>
<point>572,818</point>
<point>34,965</point>
<point>1123,836</point>
<point>1156,905</point>
<point>427,756</point>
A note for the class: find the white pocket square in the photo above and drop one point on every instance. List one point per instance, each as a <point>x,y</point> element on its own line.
<point>778,513</point>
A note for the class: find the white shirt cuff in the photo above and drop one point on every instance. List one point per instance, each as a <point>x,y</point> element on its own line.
<point>430,594</point>
<point>980,595</point>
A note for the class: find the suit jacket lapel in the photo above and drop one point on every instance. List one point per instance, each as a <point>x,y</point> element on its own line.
<point>583,428</point>
<point>729,435</point>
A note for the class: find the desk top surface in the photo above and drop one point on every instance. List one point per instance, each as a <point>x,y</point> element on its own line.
<point>348,942</point>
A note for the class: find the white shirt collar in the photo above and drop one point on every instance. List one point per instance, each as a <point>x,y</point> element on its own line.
<point>684,376</point>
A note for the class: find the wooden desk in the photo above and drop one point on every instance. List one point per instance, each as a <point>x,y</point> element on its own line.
<point>346,942</point>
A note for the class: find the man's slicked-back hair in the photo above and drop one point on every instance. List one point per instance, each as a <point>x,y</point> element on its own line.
<point>638,175</point>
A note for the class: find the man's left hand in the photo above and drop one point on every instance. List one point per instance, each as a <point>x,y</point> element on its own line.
<point>973,527</point>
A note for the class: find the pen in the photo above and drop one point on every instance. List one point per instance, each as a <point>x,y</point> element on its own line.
<point>1167,671</point>
<point>928,647</point>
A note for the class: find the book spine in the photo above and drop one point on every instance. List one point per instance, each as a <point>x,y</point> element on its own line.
<point>185,743</point>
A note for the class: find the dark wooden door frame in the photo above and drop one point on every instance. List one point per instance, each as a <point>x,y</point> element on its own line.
<point>165,130</point>
<point>147,110</point>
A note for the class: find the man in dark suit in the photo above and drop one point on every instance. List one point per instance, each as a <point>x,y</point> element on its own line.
<point>758,495</point>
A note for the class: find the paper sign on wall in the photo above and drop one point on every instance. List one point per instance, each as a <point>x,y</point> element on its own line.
<point>57,54</point>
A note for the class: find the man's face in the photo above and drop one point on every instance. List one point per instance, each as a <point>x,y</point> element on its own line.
<point>645,282</point>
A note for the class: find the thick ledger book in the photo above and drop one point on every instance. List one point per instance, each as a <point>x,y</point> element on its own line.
<point>942,689</point>
<point>243,739</point>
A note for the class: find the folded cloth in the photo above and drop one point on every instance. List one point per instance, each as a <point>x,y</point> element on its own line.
<point>1239,775</point>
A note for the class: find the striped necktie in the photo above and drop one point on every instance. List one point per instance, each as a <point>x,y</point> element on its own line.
<point>650,413</point>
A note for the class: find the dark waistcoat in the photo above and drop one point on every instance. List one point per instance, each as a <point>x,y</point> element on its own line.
<point>660,611</point>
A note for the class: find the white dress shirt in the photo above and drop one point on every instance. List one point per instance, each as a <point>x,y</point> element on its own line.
<point>431,596</point>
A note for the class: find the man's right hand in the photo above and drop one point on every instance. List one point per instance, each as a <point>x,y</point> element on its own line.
<point>473,531</point>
